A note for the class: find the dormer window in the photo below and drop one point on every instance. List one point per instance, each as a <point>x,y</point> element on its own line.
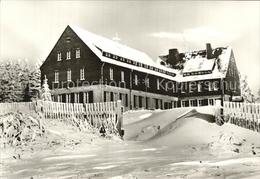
<point>59,56</point>
<point>78,53</point>
<point>68,55</point>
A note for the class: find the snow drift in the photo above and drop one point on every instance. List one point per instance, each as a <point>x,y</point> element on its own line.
<point>179,128</point>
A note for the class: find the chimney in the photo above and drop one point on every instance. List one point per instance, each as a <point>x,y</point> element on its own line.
<point>208,51</point>
<point>174,57</point>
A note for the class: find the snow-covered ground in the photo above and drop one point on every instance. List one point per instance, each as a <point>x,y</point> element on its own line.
<point>155,145</point>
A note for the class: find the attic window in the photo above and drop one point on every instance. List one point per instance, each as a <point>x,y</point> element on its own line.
<point>68,39</point>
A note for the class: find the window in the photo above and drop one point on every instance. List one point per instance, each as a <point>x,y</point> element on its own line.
<point>68,39</point>
<point>122,76</point>
<point>193,102</point>
<point>77,53</point>
<point>210,86</point>
<point>211,102</point>
<point>136,80</point>
<point>147,82</point>
<point>76,97</point>
<point>82,74</point>
<point>185,103</point>
<point>59,56</point>
<point>199,87</point>
<point>68,55</point>
<point>111,74</point>
<point>69,75</point>
<point>56,77</point>
<point>158,84</point>
<point>215,86</point>
<point>200,102</point>
<point>191,87</point>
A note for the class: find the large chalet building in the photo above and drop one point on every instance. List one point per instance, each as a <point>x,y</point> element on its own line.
<point>84,68</point>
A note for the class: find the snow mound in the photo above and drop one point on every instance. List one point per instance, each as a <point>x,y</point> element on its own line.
<point>195,127</point>
<point>19,128</point>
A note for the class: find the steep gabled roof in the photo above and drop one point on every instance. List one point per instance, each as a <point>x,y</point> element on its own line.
<point>99,45</point>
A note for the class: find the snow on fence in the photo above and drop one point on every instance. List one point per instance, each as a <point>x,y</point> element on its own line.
<point>16,106</point>
<point>110,114</point>
<point>246,115</point>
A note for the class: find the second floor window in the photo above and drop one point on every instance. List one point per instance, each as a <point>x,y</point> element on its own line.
<point>210,86</point>
<point>59,56</point>
<point>147,82</point>
<point>136,80</point>
<point>56,77</point>
<point>111,73</point>
<point>122,76</point>
<point>199,87</point>
<point>77,53</point>
<point>69,75</point>
<point>82,74</point>
<point>68,55</point>
<point>158,84</point>
<point>215,86</point>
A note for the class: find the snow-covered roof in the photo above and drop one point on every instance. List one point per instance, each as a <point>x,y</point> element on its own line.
<point>198,63</point>
<point>210,68</point>
<point>113,52</point>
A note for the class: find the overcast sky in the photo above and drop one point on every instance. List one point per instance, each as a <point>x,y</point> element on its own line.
<point>30,29</point>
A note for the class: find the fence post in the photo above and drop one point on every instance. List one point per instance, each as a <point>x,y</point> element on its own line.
<point>119,109</point>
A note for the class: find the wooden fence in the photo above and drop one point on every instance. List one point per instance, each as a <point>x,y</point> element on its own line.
<point>109,114</point>
<point>246,115</point>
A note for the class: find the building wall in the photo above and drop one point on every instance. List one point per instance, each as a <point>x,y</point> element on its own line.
<point>88,60</point>
<point>141,95</point>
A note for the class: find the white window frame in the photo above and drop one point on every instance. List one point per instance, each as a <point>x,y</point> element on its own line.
<point>215,88</point>
<point>193,102</point>
<point>199,102</point>
<point>56,77</point>
<point>183,103</point>
<point>69,74</point>
<point>82,74</point>
<point>210,86</point>
<point>211,100</point>
<point>147,82</point>
<point>111,73</point>
<point>158,84</point>
<point>78,53</point>
<point>76,97</point>
<point>190,85</point>
<point>122,76</point>
<point>136,80</point>
<point>199,87</point>
<point>59,56</point>
<point>68,55</point>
